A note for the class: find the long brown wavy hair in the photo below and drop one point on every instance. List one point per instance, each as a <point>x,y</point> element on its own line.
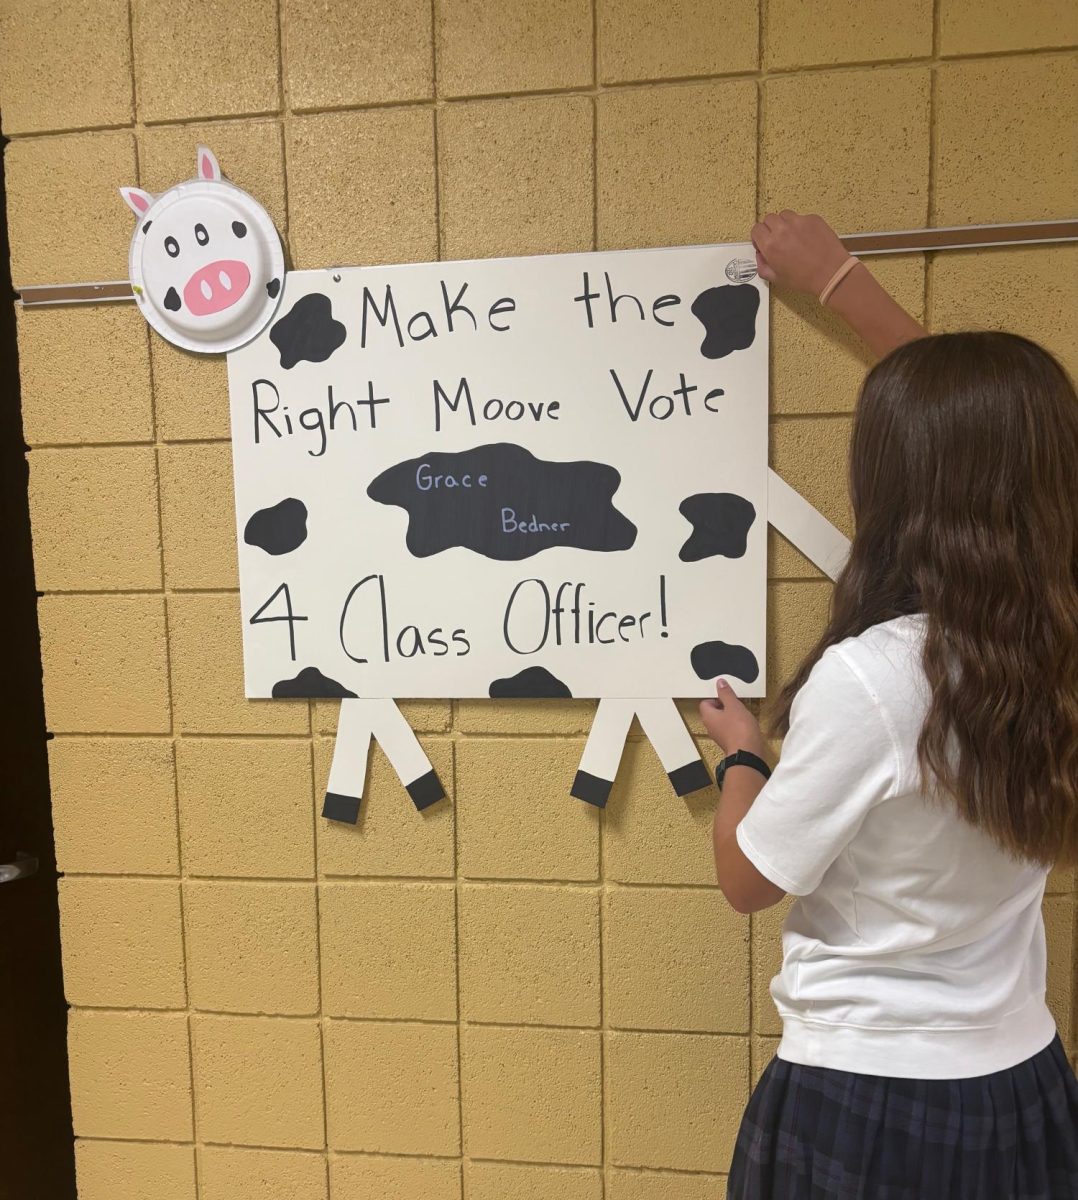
<point>964,482</point>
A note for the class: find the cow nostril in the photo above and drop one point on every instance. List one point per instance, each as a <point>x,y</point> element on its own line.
<point>225,282</point>
<point>205,289</point>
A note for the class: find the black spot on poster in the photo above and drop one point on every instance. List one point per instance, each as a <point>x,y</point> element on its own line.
<point>720,525</point>
<point>172,300</point>
<point>273,287</point>
<point>504,503</point>
<point>240,230</point>
<point>712,659</point>
<point>532,682</point>
<point>280,529</point>
<point>728,315</point>
<point>307,332</point>
<point>311,682</point>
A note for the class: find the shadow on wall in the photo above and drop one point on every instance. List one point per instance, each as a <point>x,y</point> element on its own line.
<point>37,1156</point>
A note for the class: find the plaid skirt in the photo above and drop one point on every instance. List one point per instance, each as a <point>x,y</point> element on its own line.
<point>810,1133</point>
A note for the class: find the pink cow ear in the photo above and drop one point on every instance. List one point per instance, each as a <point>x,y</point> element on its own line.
<point>208,167</point>
<point>137,200</point>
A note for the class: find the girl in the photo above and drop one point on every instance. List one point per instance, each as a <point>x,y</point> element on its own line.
<point>929,778</point>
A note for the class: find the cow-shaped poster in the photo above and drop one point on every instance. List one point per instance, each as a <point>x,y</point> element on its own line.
<point>541,477</point>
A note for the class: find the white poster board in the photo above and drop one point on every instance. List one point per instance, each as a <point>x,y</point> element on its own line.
<point>540,476</point>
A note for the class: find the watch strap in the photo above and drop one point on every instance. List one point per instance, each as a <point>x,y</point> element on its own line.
<point>741,758</point>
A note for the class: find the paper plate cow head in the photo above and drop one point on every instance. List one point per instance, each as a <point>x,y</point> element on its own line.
<point>206,263</point>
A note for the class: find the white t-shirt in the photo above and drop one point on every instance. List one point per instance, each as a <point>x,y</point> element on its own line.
<point>917,947</point>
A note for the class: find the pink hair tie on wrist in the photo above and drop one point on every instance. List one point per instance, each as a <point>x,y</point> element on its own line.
<point>837,278</point>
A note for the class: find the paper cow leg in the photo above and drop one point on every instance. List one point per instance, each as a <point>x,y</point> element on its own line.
<point>360,722</point>
<point>805,527</point>
<point>602,752</point>
<point>663,725</point>
<point>673,743</point>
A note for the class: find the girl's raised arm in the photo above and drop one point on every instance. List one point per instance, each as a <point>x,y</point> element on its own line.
<point>805,254</point>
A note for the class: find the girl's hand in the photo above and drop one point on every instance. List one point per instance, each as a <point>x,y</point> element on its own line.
<point>798,252</point>
<point>729,723</point>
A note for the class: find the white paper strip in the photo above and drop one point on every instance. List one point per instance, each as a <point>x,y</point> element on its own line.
<point>805,527</point>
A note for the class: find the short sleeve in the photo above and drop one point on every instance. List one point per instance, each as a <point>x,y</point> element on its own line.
<point>839,760</point>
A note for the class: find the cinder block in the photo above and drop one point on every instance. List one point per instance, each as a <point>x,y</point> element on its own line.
<point>206,652</point>
<point>652,836</point>
<point>394,1178</point>
<point>518,820</point>
<point>122,942</point>
<point>533,1095</point>
<point>245,807</point>
<point>114,805</point>
<point>389,950</point>
<point>1031,291</point>
<point>361,188</point>
<point>515,176</point>
<point>84,374</point>
<point>252,947</point>
<point>1061,880</point>
<point>796,617</point>
<point>229,1173</point>
<point>190,392</point>
<point>130,1075</point>
<point>766,963</point>
<point>640,40</point>
<point>198,516</point>
<point>134,1171</point>
<point>77,175</point>
<point>812,454</point>
<point>424,716</point>
<point>821,128</point>
<point>491,48</point>
<point>999,153</point>
<point>38,41</point>
<point>674,1100</point>
<point>94,517</point>
<point>675,958</point>
<point>392,1088</point>
<point>104,664</point>
<point>251,154</point>
<point>198,58</point>
<point>529,954</point>
<point>835,31</point>
<point>985,26</point>
<point>763,1051</point>
<point>524,716</point>
<point>340,55</point>
<point>625,1184</point>
<point>258,1081</point>
<point>391,837</point>
<point>1061,932</point>
<point>496,1181</point>
<point>660,150</point>
<point>817,363</point>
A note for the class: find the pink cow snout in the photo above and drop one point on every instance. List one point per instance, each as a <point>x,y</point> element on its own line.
<point>216,286</point>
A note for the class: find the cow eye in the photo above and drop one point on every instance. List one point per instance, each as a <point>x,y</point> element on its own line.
<point>201,236</point>
<point>172,247</point>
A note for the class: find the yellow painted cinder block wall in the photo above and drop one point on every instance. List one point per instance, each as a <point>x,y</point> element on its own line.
<point>514,997</point>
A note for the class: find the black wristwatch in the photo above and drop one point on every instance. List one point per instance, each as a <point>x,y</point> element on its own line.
<point>740,758</point>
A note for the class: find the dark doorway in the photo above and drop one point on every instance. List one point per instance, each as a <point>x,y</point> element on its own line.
<point>37,1157</point>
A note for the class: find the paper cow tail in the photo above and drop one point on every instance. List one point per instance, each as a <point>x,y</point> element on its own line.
<point>360,722</point>
<point>664,727</point>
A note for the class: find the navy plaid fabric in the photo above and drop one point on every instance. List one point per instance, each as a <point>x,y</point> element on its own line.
<point>810,1133</point>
